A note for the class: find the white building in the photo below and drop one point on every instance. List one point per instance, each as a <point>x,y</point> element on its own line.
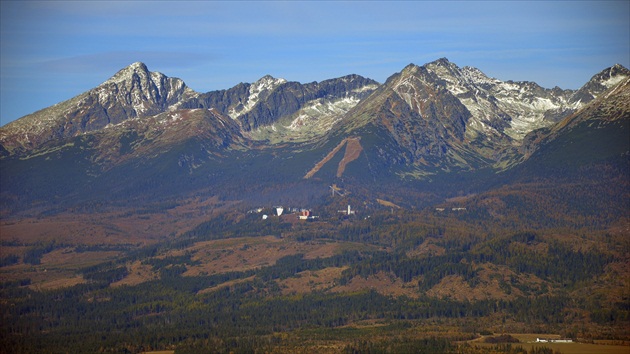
<point>348,211</point>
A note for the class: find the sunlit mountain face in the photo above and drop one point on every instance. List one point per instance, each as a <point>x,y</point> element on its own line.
<point>330,216</point>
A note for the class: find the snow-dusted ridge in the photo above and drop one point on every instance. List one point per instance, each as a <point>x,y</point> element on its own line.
<point>257,91</point>
<point>497,108</point>
<point>523,106</point>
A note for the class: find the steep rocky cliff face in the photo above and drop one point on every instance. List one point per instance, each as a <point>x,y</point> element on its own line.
<point>442,117</point>
<point>598,130</point>
<point>425,122</point>
<point>599,83</point>
<point>515,108</point>
<point>422,116</point>
<point>270,100</point>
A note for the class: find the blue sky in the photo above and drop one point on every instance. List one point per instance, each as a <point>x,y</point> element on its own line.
<point>52,51</point>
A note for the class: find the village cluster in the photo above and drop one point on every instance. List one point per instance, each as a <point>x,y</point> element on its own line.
<point>453,209</point>
<point>302,214</point>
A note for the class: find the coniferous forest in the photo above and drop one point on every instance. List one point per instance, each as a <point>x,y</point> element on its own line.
<point>434,280</point>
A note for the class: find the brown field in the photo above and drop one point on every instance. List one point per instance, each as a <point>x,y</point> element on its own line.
<point>245,253</point>
<point>138,273</point>
<point>488,287</point>
<point>139,228</point>
<point>57,268</point>
<point>384,283</point>
<point>227,284</point>
<point>117,227</point>
<point>112,227</point>
<point>309,281</point>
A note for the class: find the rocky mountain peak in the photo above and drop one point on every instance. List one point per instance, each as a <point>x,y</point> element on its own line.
<point>612,76</point>
<point>441,62</point>
<point>127,73</point>
<point>135,85</point>
<point>601,82</point>
<point>437,109</point>
<point>257,91</point>
<point>133,92</point>
<point>141,92</point>
<point>269,81</point>
<point>410,69</point>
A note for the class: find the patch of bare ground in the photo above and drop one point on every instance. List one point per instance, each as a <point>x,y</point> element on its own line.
<point>240,254</point>
<point>327,158</point>
<point>353,150</point>
<point>492,282</point>
<point>383,283</point>
<point>57,283</point>
<point>578,243</point>
<point>57,268</point>
<point>427,248</point>
<point>388,204</point>
<point>309,281</point>
<point>41,277</point>
<point>227,284</point>
<point>123,226</point>
<point>71,229</point>
<point>138,273</point>
<point>323,250</point>
<point>460,199</point>
<point>453,287</point>
<point>69,259</point>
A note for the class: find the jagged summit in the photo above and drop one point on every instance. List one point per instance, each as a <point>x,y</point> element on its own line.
<point>435,111</point>
<point>142,133</point>
<point>268,79</point>
<point>133,92</point>
<point>258,90</point>
<point>506,108</point>
<point>127,72</point>
<point>601,82</point>
<point>442,61</point>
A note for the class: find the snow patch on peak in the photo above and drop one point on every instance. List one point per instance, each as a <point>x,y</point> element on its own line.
<point>477,77</point>
<point>512,108</point>
<point>311,114</point>
<point>366,88</point>
<point>613,80</point>
<point>266,82</point>
<point>128,72</point>
<point>138,65</point>
<point>257,91</point>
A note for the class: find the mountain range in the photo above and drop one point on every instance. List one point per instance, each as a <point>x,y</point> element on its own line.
<point>142,134</point>
<point>422,214</point>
